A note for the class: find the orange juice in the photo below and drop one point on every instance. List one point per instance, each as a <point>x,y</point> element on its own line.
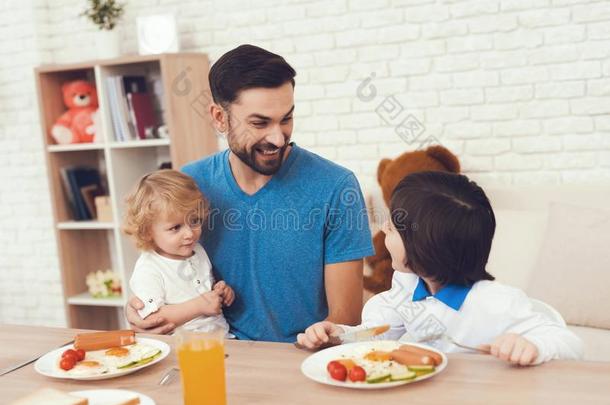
<point>202,368</point>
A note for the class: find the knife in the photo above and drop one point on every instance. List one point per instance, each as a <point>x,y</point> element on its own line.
<point>350,337</point>
<point>25,363</point>
<point>361,335</point>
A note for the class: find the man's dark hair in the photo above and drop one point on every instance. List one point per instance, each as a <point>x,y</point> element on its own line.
<point>446,224</point>
<point>247,67</point>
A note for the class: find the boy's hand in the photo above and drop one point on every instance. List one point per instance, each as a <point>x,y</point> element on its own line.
<point>318,334</point>
<point>212,303</point>
<point>226,292</point>
<point>515,349</point>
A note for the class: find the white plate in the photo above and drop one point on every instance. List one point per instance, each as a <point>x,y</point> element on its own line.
<point>101,397</point>
<point>47,364</point>
<point>314,367</point>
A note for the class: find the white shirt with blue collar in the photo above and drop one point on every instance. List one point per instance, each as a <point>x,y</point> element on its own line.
<point>470,315</point>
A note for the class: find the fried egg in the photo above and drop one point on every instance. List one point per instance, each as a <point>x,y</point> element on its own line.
<point>117,357</point>
<point>363,350</point>
<point>87,368</point>
<point>123,356</point>
<point>371,363</point>
<point>140,352</point>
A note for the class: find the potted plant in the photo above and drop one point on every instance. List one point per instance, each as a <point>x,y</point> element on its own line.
<point>105,14</point>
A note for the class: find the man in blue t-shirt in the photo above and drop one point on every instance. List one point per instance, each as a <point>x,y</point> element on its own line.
<point>287,229</point>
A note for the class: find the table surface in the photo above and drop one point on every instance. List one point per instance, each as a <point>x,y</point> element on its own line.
<point>269,373</point>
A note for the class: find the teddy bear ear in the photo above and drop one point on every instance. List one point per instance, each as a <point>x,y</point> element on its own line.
<point>444,157</point>
<point>381,168</point>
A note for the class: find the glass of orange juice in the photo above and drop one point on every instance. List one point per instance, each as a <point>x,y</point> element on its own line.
<point>202,366</point>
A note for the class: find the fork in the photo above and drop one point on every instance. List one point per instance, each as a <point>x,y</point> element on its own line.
<point>168,376</point>
<point>449,339</point>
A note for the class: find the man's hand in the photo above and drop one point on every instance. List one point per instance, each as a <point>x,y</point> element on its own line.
<point>212,303</point>
<point>152,324</point>
<point>226,292</point>
<point>515,349</point>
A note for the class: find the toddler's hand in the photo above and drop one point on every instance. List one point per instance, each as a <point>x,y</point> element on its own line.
<point>318,334</point>
<point>515,349</point>
<point>212,303</point>
<point>226,292</point>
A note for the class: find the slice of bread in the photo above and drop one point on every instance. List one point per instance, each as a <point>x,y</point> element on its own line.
<point>132,401</point>
<point>50,396</point>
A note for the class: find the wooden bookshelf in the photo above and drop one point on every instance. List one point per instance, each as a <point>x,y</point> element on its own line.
<point>86,246</point>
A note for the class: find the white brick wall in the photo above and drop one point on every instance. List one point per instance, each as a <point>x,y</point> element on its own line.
<point>519,89</point>
<point>30,291</point>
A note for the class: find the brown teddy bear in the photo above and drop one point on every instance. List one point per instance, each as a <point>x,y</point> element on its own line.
<point>389,174</point>
<point>77,125</point>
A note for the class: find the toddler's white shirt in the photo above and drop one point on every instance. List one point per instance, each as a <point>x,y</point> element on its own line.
<point>158,281</point>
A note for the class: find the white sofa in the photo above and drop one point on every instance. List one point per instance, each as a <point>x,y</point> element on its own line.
<point>522,223</point>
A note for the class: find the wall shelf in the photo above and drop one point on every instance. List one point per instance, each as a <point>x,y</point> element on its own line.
<point>87,299</point>
<point>75,147</point>
<point>140,144</point>
<point>82,225</point>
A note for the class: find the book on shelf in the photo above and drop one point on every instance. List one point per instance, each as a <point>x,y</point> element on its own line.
<point>118,111</point>
<point>131,107</point>
<point>126,124</point>
<point>143,113</point>
<point>67,191</point>
<point>134,84</point>
<point>89,193</point>
<point>81,185</point>
<point>114,110</point>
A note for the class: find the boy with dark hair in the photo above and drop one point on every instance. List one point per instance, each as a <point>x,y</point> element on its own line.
<point>439,237</point>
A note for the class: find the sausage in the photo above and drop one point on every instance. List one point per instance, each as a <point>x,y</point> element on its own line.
<point>104,340</point>
<point>411,359</point>
<point>436,358</point>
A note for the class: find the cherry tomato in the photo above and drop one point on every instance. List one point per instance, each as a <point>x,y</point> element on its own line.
<point>81,354</point>
<point>67,363</point>
<point>338,372</point>
<point>70,354</point>
<point>331,365</point>
<point>357,374</point>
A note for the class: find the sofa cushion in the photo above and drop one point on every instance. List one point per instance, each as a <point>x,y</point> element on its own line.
<point>573,268</point>
<point>595,342</point>
<point>516,244</point>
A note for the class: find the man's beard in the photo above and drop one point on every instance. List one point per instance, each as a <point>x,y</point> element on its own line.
<point>257,160</point>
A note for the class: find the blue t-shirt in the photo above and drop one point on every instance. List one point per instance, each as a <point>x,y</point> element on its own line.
<point>271,247</point>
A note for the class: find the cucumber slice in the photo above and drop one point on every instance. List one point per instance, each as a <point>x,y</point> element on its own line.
<point>422,370</point>
<point>137,363</point>
<point>378,377</point>
<point>140,362</point>
<point>398,372</point>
